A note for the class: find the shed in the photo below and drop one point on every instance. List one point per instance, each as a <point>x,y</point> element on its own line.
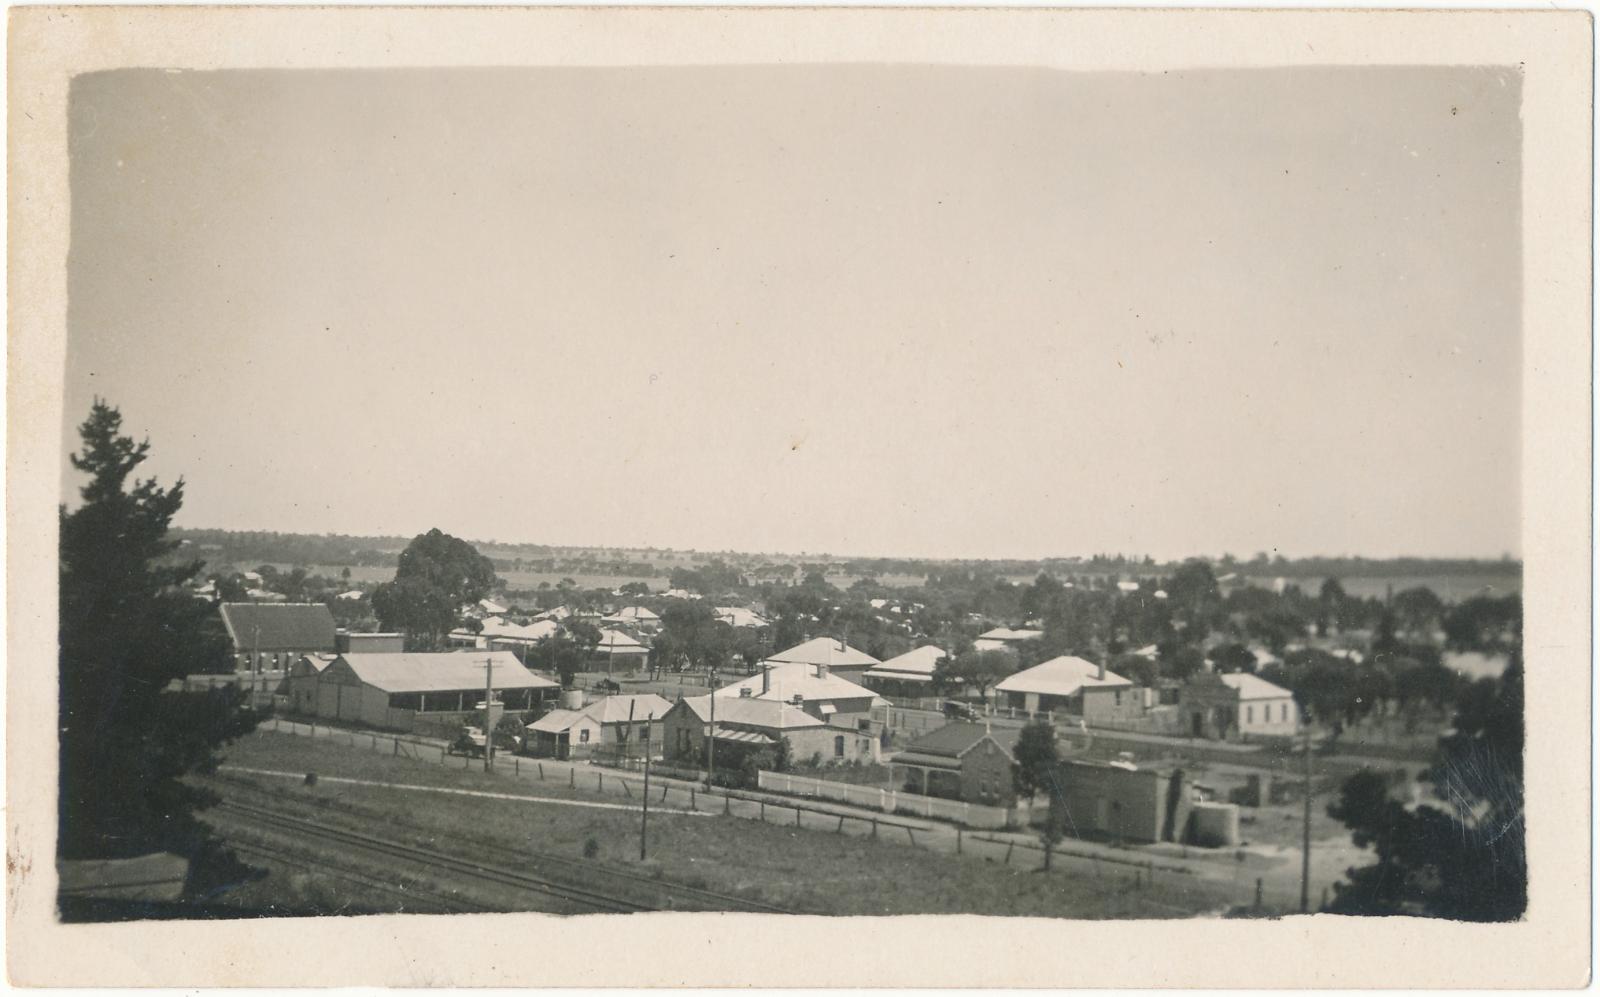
<point>391,690</point>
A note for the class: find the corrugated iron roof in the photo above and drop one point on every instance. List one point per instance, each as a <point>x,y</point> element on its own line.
<point>744,737</point>
<point>1061,676</point>
<point>752,712</point>
<point>442,671</point>
<point>921,661</point>
<point>824,651</point>
<point>1253,686</point>
<point>614,709</point>
<point>784,681</point>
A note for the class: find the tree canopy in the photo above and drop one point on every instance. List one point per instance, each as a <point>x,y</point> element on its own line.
<point>437,576</point>
<point>1463,854</point>
<point>1036,756</point>
<point>127,631</point>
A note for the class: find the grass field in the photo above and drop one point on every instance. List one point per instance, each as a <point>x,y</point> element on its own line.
<point>806,870</point>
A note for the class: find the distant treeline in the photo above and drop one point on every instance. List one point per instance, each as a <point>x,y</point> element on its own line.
<point>262,547</point>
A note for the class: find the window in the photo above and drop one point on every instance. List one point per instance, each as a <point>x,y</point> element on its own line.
<point>1249,714</point>
<point>1284,714</point>
<point>1119,697</point>
<point>838,746</point>
<point>644,732</point>
<point>583,736</point>
<point>683,740</point>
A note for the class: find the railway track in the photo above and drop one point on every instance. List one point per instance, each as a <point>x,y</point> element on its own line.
<point>447,903</point>
<point>434,860</point>
<point>666,894</point>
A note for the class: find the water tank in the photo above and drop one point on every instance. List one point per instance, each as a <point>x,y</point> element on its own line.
<point>1214,825</point>
<point>572,699</point>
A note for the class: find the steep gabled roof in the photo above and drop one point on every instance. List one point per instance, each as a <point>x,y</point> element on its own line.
<point>289,626</point>
<point>956,739</point>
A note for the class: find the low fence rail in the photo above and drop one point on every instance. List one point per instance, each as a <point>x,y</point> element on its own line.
<point>888,800</point>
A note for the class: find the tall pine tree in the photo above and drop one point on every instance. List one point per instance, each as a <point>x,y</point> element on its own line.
<point>127,630</point>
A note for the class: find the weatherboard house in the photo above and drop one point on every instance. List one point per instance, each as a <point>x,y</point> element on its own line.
<point>1074,686</point>
<point>1236,704</point>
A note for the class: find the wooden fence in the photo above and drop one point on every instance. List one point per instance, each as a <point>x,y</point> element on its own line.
<point>888,800</point>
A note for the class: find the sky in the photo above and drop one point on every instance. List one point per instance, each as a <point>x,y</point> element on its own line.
<point>872,310</point>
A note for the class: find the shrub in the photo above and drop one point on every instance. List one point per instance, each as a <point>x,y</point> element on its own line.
<point>591,847</point>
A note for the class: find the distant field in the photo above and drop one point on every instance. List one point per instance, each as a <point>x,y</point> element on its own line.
<point>1451,588</point>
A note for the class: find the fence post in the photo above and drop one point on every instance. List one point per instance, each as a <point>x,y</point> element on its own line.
<point>572,777</point>
<point>796,816</point>
<point>691,799</point>
<point>601,776</point>
<point>1009,847</point>
<point>910,835</point>
<point>541,770</point>
<point>874,827</point>
<point>763,811</point>
<point>840,828</point>
<point>958,839</point>
<point>727,805</point>
<point>516,765</point>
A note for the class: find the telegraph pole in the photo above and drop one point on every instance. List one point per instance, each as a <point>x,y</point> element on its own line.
<point>255,664</point>
<point>644,819</point>
<point>1305,843</point>
<point>711,732</point>
<point>488,714</point>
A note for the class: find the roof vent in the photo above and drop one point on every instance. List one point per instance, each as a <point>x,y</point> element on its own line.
<point>797,699</point>
<point>744,692</point>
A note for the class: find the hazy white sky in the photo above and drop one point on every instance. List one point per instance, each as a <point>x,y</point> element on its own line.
<point>873,310</point>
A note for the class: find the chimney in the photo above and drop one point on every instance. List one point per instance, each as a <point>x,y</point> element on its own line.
<point>822,671</point>
<point>766,679</point>
<point>1101,673</point>
<point>744,692</point>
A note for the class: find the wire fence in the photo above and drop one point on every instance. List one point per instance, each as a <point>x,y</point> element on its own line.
<point>1218,879</point>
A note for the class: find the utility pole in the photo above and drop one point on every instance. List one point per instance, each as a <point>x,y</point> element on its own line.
<point>488,714</point>
<point>1305,843</point>
<point>255,664</point>
<point>644,819</point>
<point>711,732</point>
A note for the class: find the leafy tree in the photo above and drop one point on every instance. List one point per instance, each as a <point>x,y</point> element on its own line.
<point>976,670</point>
<point>1182,661</point>
<point>1463,856</point>
<point>438,574</point>
<point>1233,658</point>
<point>1036,757</point>
<point>127,631</point>
<point>1417,610</point>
